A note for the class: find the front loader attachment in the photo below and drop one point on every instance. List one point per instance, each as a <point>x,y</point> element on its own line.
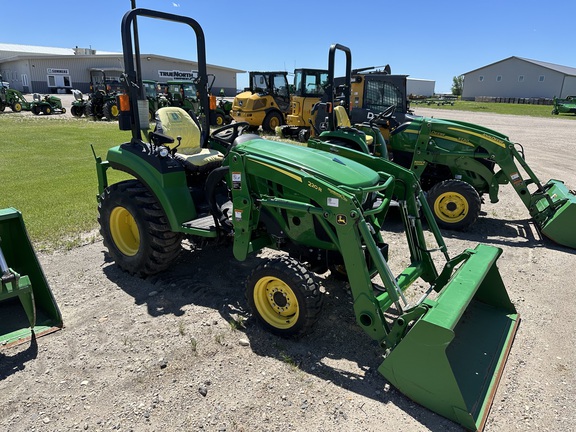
<point>555,213</point>
<point>451,358</point>
<point>27,306</point>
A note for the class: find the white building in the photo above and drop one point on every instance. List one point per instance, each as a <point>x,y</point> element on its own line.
<point>420,87</point>
<point>56,70</point>
<point>516,77</point>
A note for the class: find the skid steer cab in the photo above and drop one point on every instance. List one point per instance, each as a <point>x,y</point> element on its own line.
<point>323,206</point>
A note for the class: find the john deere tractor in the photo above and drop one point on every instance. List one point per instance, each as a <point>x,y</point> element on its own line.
<point>101,102</point>
<point>322,209</point>
<point>455,162</point>
<point>12,98</point>
<point>265,102</point>
<point>46,105</point>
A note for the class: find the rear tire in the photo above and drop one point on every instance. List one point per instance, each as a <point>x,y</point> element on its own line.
<point>110,110</point>
<point>35,110</point>
<point>272,121</point>
<point>284,296</point>
<point>135,229</point>
<point>455,204</point>
<point>47,110</point>
<point>89,110</point>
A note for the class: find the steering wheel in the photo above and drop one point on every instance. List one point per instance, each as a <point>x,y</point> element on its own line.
<point>226,135</point>
<point>387,112</point>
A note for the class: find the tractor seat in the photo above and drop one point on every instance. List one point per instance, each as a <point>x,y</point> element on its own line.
<point>176,122</point>
<point>343,122</point>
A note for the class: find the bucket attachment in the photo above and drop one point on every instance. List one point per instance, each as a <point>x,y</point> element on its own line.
<point>26,303</point>
<point>452,357</point>
<point>555,213</point>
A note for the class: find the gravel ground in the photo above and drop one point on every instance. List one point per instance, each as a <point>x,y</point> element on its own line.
<point>179,351</point>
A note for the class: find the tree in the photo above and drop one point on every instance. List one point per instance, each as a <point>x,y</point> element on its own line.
<point>457,85</point>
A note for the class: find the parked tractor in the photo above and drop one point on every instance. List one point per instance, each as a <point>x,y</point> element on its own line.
<point>101,102</point>
<point>446,349</point>
<point>265,102</point>
<point>12,98</point>
<point>27,306</point>
<point>156,99</point>
<point>46,105</point>
<point>565,105</point>
<point>456,163</point>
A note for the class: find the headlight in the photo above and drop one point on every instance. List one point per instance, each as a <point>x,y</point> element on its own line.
<point>163,151</point>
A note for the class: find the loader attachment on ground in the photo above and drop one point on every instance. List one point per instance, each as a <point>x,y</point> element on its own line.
<point>555,213</point>
<point>451,358</point>
<point>27,305</point>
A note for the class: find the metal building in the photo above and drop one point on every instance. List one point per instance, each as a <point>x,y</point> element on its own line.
<point>37,69</point>
<point>516,77</point>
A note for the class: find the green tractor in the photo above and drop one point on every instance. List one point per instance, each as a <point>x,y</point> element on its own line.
<point>156,99</point>
<point>46,105</point>
<point>101,102</point>
<point>446,349</point>
<point>12,98</point>
<point>455,163</point>
<point>27,306</point>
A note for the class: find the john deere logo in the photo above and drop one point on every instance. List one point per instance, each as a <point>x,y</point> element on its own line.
<point>341,219</point>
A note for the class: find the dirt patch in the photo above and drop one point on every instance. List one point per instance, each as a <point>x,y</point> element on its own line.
<point>179,351</point>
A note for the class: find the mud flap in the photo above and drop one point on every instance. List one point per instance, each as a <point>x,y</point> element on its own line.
<point>27,306</point>
<point>556,219</point>
<point>452,358</point>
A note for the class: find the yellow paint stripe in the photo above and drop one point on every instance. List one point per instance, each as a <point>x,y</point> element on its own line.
<point>287,173</point>
<point>449,138</point>
<point>498,142</point>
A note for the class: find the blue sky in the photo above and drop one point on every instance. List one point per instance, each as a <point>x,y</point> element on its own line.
<point>434,40</point>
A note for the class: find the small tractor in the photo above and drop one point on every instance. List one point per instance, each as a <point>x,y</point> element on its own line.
<point>156,99</point>
<point>183,94</point>
<point>101,102</point>
<point>46,105</point>
<point>12,98</point>
<point>265,102</point>
<point>565,105</point>
<point>445,349</point>
<point>455,163</point>
<point>27,306</point>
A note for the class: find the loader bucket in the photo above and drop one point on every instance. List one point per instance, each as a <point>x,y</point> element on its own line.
<point>27,305</point>
<point>556,221</point>
<point>452,358</point>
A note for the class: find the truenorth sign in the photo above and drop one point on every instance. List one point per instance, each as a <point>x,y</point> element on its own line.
<point>177,74</point>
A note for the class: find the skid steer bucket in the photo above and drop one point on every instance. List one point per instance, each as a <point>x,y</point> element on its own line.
<point>555,213</point>
<point>452,357</point>
<point>27,305</point>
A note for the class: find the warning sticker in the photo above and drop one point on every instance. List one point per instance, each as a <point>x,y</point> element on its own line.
<point>238,215</point>
<point>333,202</point>
<point>236,180</point>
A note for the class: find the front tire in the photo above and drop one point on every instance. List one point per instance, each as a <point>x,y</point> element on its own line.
<point>16,107</point>
<point>135,230</point>
<point>284,296</point>
<point>77,111</point>
<point>455,204</point>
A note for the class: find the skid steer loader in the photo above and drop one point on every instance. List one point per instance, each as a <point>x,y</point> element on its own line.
<point>27,306</point>
<point>455,162</point>
<point>445,349</point>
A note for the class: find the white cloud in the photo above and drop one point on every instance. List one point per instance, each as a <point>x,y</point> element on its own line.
<point>175,4</point>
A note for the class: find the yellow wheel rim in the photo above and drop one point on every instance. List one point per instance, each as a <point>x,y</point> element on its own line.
<point>274,123</point>
<point>124,231</point>
<point>451,207</point>
<point>219,121</point>
<point>276,302</point>
<point>114,111</point>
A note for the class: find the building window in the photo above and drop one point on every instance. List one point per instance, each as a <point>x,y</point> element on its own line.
<point>499,78</point>
<point>520,78</point>
<point>59,81</point>
<point>541,78</point>
<point>481,78</point>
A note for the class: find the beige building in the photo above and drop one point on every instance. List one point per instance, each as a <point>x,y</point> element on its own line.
<point>516,77</point>
<point>59,70</point>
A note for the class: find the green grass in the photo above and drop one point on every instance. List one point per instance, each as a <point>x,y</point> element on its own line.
<point>498,108</point>
<point>47,171</point>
